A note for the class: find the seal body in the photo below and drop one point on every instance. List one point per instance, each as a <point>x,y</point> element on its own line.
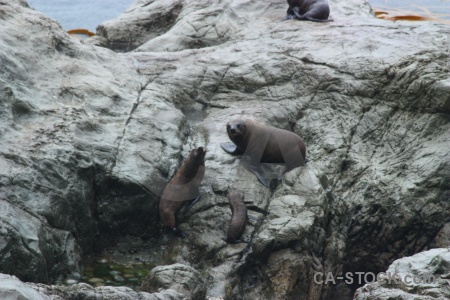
<point>238,217</point>
<point>264,144</point>
<point>182,187</point>
<point>309,10</point>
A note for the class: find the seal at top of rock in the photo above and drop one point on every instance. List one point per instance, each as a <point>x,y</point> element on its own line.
<point>181,188</point>
<point>309,10</point>
<point>264,144</point>
<point>238,217</point>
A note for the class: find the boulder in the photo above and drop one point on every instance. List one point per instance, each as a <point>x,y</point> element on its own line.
<point>12,288</point>
<point>423,276</point>
<point>178,277</point>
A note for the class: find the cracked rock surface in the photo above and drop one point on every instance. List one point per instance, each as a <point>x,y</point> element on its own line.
<point>178,277</point>
<point>423,276</point>
<point>12,288</point>
<point>89,137</point>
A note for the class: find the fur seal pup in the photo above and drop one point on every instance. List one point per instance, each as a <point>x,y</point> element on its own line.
<point>264,144</point>
<point>309,10</point>
<point>238,217</point>
<point>181,188</point>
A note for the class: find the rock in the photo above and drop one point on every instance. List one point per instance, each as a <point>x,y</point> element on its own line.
<point>89,138</point>
<point>30,248</point>
<point>422,276</point>
<point>442,239</point>
<point>58,97</point>
<point>148,20</point>
<point>178,277</point>
<point>188,24</point>
<point>85,291</point>
<point>118,278</point>
<point>95,280</point>
<point>12,288</point>
<point>74,276</point>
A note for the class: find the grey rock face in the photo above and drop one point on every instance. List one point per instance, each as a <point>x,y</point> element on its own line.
<point>89,137</point>
<point>61,133</point>
<point>85,291</point>
<point>181,278</point>
<point>12,288</point>
<point>422,276</point>
<point>176,25</point>
<point>31,248</point>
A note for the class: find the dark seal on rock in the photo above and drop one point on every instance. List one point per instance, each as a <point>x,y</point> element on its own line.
<point>264,144</point>
<point>309,10</point>
<point>181,188</point>
<point>238,217</point>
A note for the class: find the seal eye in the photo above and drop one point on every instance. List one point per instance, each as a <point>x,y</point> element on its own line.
<point>228,126</point>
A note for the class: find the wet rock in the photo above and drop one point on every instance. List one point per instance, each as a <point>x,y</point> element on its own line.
<point>71,281</point>
<point>178,277</point>
<point>422,276</point>
<point>74,276</point>
<point>95,280</point>
<point>118,278</point>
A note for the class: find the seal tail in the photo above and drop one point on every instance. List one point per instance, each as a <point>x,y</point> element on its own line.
<point>305,18</point>
<point>317,20</point>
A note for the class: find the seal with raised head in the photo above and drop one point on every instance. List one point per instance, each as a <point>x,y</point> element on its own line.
<point>181,188</point>
<point>264,144</point>
<point>309,10</point>
<point>238,217</point>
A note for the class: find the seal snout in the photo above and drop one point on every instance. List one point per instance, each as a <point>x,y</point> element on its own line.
<point>201,152</point>
<point>233,130</point>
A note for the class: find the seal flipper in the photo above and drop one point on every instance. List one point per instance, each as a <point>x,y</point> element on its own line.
<point>288,17</point>
<point>230,148</point>
<point>260,174</point>
<point>317,20</point>
<point>180,232</point>
<point>191,203</point>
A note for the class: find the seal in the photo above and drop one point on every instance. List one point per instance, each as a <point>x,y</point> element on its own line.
<point>264,144</point>
<point>308,10</point>
<point>181,188</point>
<point>238,217</point>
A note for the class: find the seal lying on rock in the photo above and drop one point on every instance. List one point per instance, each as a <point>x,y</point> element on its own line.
<point>238,217</point>
<point>264,144</point>
<point>309,10</point>
<point>181,188</point>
